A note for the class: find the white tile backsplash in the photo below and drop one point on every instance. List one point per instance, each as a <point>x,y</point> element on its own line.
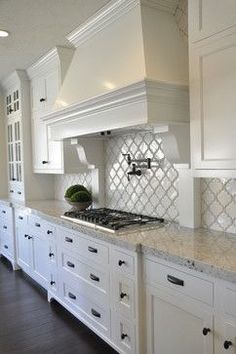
<point>62,182</point>
<point>219,204</point>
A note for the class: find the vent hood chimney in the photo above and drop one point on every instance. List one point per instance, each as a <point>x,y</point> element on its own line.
<point>130,68</point>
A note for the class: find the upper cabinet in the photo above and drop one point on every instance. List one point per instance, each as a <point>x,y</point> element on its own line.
<point>47,76</point>
<point>211,17</point>
<point>212,84</point>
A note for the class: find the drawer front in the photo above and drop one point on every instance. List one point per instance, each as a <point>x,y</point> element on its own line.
<point>20,217</point>
<point>96,315</point>
<point>52,255</point>
<point>50,231</point>
<point>174,279</point>
<point>123,262</point>
<point>89,249</point>
<point>123,296</point>
<point>5,212</point>
<point>6,226</point>
<point>123,333</point>
<point>37,227</point>
<point>97,278</point>
<point>7,247</point>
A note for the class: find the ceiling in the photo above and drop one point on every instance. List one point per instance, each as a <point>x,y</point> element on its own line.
<point>36,26</point>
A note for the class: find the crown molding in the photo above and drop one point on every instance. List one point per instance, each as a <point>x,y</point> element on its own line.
<point>46,61</point>
<point>112,12</point>
<point>101,19</point>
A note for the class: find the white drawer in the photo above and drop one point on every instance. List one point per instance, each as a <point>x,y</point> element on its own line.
<point>91,250</point>
<point>123,262</point>
<point>96,277</point>
<point>5,211</point>
<point>6,226</point>
<point>123,296</point>
<point>36,226</point>
<point>97,316</point>
<point>183,282</point>
<point>123,334</point>
<point>21,217</point>
<point>7,247</point>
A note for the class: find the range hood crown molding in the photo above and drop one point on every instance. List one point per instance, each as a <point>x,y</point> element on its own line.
<point>110,13</point>
<point>144,91</point>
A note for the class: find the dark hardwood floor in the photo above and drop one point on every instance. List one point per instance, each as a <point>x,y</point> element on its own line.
<point>30,325</point>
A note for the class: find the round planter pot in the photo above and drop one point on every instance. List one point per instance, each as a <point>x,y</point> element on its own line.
<point>77,205</point>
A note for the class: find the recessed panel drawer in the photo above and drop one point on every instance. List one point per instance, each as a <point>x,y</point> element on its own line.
<point>97,316</point>
<point>229,300</point>
<point>97,278</point>
<point>123,262</point>
<point>21,217</point>
<point>123,296</point>
<point>174,279</point>
<point>123,334</point>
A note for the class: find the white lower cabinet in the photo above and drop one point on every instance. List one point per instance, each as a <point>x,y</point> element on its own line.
<point>177,325</point>
<point>7,234</point>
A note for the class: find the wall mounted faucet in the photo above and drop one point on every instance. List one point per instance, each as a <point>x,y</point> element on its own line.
<point>137,165</point>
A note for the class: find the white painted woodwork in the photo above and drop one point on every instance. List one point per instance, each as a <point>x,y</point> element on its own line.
<point>3,152</point>
<point>210,18</point>
<point>213,77</point>
<point>24,258</point>
<point>22,182</point>
<point>175,325</point>
<point>40,260</point>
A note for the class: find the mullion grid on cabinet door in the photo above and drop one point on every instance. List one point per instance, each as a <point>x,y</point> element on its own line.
<point>18,160</point>
<point>16,101</point>
<point>10,151</point>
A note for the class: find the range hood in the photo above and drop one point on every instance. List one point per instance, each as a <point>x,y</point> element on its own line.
<point>129,70</point>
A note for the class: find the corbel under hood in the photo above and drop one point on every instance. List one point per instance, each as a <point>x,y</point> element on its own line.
<point>129,69</point>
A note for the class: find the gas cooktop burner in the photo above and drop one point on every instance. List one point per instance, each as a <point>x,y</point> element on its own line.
<point>109,219</point>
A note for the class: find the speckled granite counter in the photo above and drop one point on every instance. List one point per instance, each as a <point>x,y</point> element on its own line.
<point>210,252</point>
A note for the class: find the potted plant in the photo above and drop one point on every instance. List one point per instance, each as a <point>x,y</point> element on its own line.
<point>79,197</point>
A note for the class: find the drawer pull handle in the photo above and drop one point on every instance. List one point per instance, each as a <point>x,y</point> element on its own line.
<point>52,282</point>
<point>49,232</point>
<point>68,239</point>
<point>92,249</point>
<point>175,281</point>
<point>11,191</point>
<point>72,296</point>
<point>95,313</point>
<point>122,295</point>
<point>205,331</point>
<point>44,162</point>
<point>120,263</point>
<point>5,246</point>
<point>94,277</point>
<point>20,217</point>
<point>37,224</point>
<point>227,344</point>
<point>5,227</point>
<point>30,237</point>
<point>42,99</point>
<point>71,265</point>
<point>19,193</point>
<point>51,254</point>
<point>26,236</point>
<point>123,336</point>
<point>4,211</point>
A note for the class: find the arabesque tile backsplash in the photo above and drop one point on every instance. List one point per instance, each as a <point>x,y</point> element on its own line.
<point>155,193</point>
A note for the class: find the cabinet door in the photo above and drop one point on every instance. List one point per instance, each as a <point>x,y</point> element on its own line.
<point>226,339</point>
<point>23,248</point>
<point>175,325</point>
<point>209,17</point>
<point>52,85</point>
<point>213,109</point>
<point>38,91</point>
<point>40,145</point>
<point>40,261</point>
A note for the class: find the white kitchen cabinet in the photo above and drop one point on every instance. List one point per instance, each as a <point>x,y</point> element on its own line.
<point>213,76</point>
<point>210,17</point>
<point>44,90</point>
<point>40,260</point>
<point>46,77</point>
<point>23,248</point>
<point>176,324</point>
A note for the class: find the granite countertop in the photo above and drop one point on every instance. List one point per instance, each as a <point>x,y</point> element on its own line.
<point>210,252</point>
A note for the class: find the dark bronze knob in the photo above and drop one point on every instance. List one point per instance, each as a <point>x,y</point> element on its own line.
<point>205,331</point>
<point>227,344</point>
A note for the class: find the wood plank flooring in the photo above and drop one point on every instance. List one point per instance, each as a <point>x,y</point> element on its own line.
<point>30,325</point>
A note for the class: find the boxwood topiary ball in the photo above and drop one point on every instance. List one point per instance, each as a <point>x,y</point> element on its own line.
<point>81,197</point>
<point>73,189</point>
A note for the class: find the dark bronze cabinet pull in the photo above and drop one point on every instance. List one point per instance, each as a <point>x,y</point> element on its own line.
<point>49,232</point>
<point>72,296</point>
<point>51,254</point>
<point>68,239</point>
<point>94,277</point>
<point>122,295</point>
<point>120,263</point>
<point>20,217</point>
<point>52,282</point>
<point>123,336</point>
<point>5,227</point>
<point>37,224</point>
<point>227,344</point>
<point>92,249</point>
<point>4,211</point>
<point>5,246</point>
<point>42,99</point>
<point>26,236</point>
<point>95,313</point>
<point>71,265</point>
<point>205,331</point>
<point>175,281</point>
<point>30,237</point>
<point>44,162</point>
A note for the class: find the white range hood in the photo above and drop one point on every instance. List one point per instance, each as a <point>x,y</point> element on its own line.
<point>129,69</point>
